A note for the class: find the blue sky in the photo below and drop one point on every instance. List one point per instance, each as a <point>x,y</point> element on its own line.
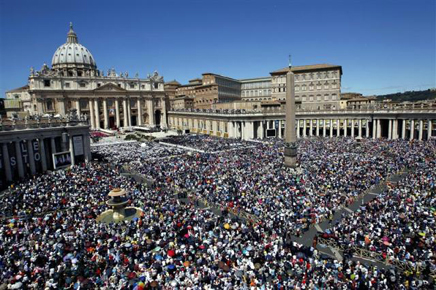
<point>383,46</point>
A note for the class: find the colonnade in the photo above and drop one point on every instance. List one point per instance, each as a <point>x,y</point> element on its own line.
<point>418,129</point>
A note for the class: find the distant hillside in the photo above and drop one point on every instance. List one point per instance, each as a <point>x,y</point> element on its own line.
<point>412,96</point>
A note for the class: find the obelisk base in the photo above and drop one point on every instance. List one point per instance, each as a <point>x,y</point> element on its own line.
<point>291,154</point>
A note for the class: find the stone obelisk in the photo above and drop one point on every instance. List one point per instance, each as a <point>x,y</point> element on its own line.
<point>290,134</point>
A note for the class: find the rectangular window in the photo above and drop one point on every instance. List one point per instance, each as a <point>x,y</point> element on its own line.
<point>98,85</point>
<point>82,85</point>
<point>67,85</point>
<point>46,83</point>
<point>132,86</point>
<point>156,85</point>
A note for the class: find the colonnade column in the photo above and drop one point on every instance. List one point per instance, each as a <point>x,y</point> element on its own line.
<point>236,129</point>
<point>324,128</point>
<point>374,129</point>
<point>338,128</point>
<point>298,128</point>
<point>360,128</point>
<point>345,127</point>
<point>304,127</point>
<point>43,155</point>
<point>19,159</point>
<point>395,129</point>
<point>105,115</point>
<point>378,128</point>
<point>421,129</point>
<point>390,130</point>
<point>31,157</point>
<point>367,129</point>
<point>6,162</point>
<point>163,120</point>
<point>317,127</point>
<point>139,109</point>
<point>117,112</point>
<point>412,129</point>
<point>280,129</point>
<point>429,129</point>
<point>91,113</point>
<point>97,114</point>
<point>403,130</point>
<point>311,127</point>
<point>331,128</point>
<point>352,128</point>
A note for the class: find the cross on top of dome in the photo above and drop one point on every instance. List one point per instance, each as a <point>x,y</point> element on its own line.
<point>72,36</point>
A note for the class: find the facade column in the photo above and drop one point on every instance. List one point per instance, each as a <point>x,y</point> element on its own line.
<point>19,159</point>
<point>403,130</point>
<point>150,111</point>
<point>352,128</point>
<point>429,129</point>
<point>139,109</point>
<point>378,128</point>
<point>105,115</point>
<point>70,139</point>
<point>97,114</point>
<point>304,128</point>
<point>163,120</point>
<point>345,127</point>
<point>78,107</point>
<point>125,113</point>
<point>311,128</point>
<point>298,128</point>
<point>43,155</point>
<point>31,157</point>
<point>374,129</point>
<point>338,128</point>
<point>6,161</point>
<point>236,129</point>
<point>421,129</point>
<point>412,129</point>
<point>395,129</point>
<point>91,113</point>
<point>360,128</point>
<point>251,130</point>
<point>129,113</point>
<point>317,127</point>
<point>117,113</point>
<point>280,129</point>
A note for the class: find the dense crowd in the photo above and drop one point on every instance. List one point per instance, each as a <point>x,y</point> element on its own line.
<point>50,240</point>
<point>400,223</point>
<point>207,143</point>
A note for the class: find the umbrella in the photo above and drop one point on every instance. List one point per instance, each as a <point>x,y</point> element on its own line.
<point>227,226</point>
<point>386,243</point>
<point>157,249</point>
<point>171,267</point>
<point>158,257</point>
<point>186,264</point>
<point>171,253</point>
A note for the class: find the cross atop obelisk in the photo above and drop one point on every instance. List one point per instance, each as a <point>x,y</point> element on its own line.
<point>290,134</point>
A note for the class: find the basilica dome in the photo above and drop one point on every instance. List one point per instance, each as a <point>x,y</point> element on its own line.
<point>73,54</point>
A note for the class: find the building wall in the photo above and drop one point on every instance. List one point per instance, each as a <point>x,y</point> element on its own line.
<point>258,89</point>
<point>316,89</point>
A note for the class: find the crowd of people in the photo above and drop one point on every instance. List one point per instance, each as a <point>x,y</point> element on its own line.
<point>206,143</point>
<point>49,237</point>
<point>399,223</point>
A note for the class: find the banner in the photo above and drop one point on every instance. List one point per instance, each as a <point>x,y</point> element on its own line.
<point>78,145</point>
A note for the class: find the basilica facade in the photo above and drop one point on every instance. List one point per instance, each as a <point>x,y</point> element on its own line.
<point>109,101</point>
